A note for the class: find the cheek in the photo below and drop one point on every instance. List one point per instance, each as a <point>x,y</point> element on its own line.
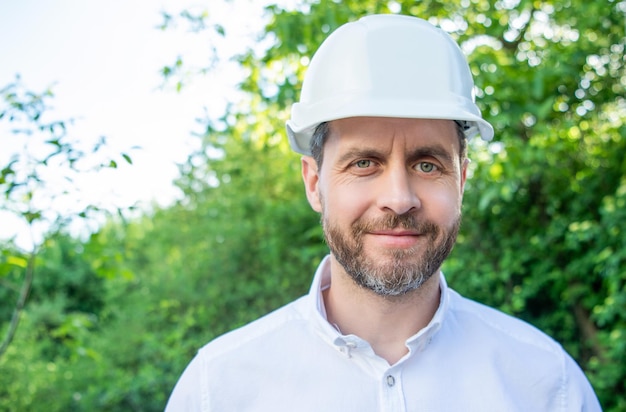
<point>443,204</point>
<point>344,205</point>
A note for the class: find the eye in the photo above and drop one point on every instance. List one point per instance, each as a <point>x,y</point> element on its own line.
<point>426,167</point>
<point>363,164</point>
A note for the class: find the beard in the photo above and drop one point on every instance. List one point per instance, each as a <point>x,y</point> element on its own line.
<point>399,271</point>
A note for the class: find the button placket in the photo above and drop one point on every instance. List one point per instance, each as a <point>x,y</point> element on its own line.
<point>392,396</point>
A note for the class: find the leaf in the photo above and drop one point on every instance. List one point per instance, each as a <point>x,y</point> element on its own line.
<point>127,158</point>
<point>32,216</point>
<point>17,261</point>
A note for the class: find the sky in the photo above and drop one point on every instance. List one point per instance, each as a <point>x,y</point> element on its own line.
<point>103,61</point>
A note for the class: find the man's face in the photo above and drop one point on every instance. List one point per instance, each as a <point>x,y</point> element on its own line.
<point>389,191</point>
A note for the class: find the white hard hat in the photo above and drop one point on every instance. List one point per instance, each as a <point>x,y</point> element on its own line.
<point>387,66</point>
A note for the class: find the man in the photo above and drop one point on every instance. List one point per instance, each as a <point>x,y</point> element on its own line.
<point>385,112</point>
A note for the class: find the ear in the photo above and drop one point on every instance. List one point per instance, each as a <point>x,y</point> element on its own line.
<point>464,174</point>
<point>310,176</point>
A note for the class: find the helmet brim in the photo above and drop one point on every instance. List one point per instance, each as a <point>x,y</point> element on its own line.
<point>300,134</point>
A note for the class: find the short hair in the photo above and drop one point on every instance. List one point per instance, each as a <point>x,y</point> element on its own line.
<point>323,129</point>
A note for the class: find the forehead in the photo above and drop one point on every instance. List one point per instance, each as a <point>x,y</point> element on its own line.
<point>387,133</point>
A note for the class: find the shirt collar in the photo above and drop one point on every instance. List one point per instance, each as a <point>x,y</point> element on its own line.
<point>332,335</point>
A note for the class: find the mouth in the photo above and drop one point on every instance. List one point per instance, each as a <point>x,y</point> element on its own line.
<point>395,239</point>
<point>396,232</point>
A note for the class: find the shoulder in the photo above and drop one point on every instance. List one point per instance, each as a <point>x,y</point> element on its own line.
<point>494,323</point>
<point>286,320</point>
<point>233,355</point>
<point>520,350</point>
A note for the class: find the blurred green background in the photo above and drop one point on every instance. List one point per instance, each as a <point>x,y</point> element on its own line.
<point>108,322</point>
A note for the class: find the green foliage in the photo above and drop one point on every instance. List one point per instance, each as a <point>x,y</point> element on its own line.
<point>41,161</point>
<point>37,169</point>
<point>63,309</point>
<point>543,235</point>
<point>113,320</point>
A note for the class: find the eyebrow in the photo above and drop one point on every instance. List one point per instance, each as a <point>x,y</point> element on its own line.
<point>359,153</point>
<point>435,151</point>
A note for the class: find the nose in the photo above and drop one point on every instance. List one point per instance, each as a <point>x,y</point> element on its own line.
<point>397,192</point>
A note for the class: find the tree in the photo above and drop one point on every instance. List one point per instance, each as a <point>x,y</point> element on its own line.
<point>39,171</point>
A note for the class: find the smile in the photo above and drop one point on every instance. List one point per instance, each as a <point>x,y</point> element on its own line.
<point>396,239</point>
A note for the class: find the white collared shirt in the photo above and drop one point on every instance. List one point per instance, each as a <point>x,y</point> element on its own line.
<point>468,358</point>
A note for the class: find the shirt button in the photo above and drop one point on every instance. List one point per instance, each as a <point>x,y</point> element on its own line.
<point>391,380</point>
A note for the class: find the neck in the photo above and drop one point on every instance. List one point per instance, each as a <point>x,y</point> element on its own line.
<point>384,322</point>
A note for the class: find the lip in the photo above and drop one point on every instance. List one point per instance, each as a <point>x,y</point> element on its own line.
<point>396,239</point>
<point>395,232</point>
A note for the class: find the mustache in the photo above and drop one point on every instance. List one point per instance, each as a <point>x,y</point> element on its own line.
<point>406,221</point>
